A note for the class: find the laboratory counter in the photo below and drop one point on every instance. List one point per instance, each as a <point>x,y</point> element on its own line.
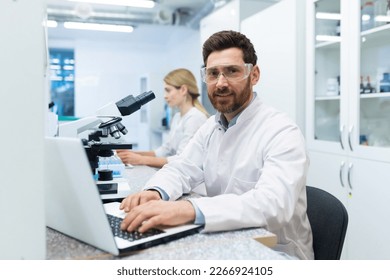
<point>233,245</point>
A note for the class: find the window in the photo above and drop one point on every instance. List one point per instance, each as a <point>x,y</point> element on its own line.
<point>62,81</point>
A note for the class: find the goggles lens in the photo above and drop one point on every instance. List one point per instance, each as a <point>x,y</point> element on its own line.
<point>233,73</point>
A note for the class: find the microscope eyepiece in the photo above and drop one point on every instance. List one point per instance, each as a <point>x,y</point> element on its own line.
<point>145,97</point>
<point>130,104</point>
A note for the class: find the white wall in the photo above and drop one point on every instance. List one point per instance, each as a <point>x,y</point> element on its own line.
<point>110,67</point>
<point>225,18</point>
<point>22,109</point>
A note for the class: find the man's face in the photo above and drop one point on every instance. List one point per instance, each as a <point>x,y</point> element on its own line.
<point>227,96</point>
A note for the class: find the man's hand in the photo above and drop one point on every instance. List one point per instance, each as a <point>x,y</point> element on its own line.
<point>136,199</point>
<point>156,213</point>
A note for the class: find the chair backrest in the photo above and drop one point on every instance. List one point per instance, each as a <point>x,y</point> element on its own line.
<point>328,219</point>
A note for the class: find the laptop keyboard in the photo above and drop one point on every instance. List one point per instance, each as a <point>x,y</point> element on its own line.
<point>115,223</point>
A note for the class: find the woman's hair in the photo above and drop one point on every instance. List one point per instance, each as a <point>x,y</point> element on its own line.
<point>180,77</point>
<point>230,39</point>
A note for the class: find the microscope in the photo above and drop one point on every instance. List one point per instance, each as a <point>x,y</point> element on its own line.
<point>101,134</point>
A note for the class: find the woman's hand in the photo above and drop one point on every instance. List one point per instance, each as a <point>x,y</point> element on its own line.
<point>130,157</point>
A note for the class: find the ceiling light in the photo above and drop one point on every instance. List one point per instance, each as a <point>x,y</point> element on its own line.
<point>332,16</point>
<point>98,27</point>
<point>131,3</point>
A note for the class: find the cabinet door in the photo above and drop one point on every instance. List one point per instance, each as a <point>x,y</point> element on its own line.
<point>370,80</point>
<point>349,42</point>
<point>369,209</point>
<point>363,187</point>
<point>329,172</point>
<point>326,111</point>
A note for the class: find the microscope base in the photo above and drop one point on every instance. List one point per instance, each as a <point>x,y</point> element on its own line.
<point>123,189</point>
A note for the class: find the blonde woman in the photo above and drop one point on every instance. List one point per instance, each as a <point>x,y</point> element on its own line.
<point>181,91</point>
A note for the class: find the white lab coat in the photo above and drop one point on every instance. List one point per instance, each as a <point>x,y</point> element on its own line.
<point>254,174</point>
<point>182,130</point>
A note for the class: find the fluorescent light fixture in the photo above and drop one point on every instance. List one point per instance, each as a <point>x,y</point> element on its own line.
<point>382,18</point>
<point>56,78</point>
<point>98,27</point>
<point>130,3</point>
<point>69,78</point>
<point>328,38</point>
<point>68,67</point>
<point>55,67</point>
<point>51,23</point>
<point>332,16</point>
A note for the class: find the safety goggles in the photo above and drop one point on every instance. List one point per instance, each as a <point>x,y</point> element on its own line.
<point>232,73</point>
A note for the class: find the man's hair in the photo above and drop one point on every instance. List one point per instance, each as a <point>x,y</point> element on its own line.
<point>230,39</point>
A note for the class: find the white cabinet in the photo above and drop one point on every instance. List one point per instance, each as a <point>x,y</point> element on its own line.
<point>363,187</point>
<point>281,52</point>
<point>229,17</point>
<point>348,119</point>
<point>327,172</point>
<point>339,56</point>
<point>369,227</point>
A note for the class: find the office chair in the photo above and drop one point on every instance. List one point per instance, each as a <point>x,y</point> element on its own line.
<point>328,219</point>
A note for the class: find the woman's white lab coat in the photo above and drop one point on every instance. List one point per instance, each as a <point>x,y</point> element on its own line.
<point>182,130</point>
<point>254,174</point>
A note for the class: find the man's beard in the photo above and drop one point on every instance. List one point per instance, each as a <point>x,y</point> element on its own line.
<point>227,106</point>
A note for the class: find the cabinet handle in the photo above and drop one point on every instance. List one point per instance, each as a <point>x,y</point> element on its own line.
<point>341,136</point>
<point>350,166</point>
<point>349,137</point>
<point>341,173</point>
<point>46,54</point>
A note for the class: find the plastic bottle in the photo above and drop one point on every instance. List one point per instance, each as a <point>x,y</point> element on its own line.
<point>385,83</point>
<point>332,87</point>
<point>388,10</point>
<point>338,29</point>
<point>368,15</point>
<point>369,87</point>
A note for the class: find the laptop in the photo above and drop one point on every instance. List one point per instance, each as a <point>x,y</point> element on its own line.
<point>75,208</point>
